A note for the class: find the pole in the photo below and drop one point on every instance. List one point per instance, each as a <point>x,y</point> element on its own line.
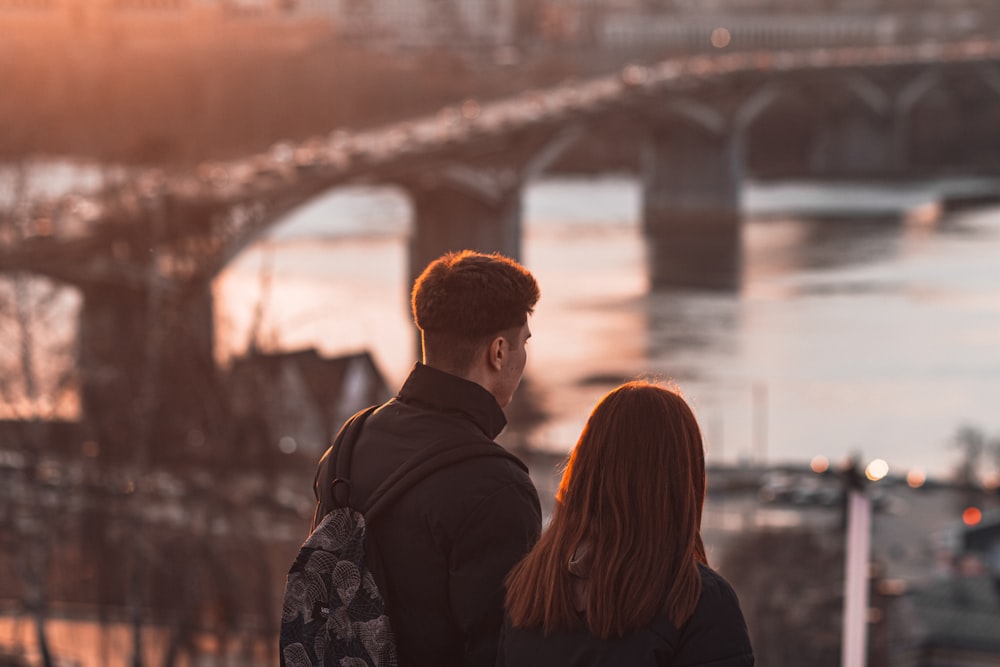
<point>855,639</point>
<point>759,395</point>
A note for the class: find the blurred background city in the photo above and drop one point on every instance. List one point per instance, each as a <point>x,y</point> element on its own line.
<point>211,212</point>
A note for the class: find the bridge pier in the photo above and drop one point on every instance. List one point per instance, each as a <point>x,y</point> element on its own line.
<point>450,215</point>
<point>691,210</point>
<point>149,384</point>
<point>462,209</point>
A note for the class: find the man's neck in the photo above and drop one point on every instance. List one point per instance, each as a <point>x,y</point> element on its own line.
<point>474,374</point>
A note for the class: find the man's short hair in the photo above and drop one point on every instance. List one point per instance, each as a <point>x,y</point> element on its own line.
<point>463,298</point>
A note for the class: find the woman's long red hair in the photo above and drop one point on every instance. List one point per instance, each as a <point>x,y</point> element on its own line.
<point>633,491</point>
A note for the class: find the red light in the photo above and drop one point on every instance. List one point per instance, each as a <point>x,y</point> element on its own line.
<point>971,516</point>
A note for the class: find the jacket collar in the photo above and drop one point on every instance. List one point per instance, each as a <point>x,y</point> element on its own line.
<point>443,391</point>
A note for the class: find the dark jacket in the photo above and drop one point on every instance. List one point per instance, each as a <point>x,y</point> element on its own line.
<point>714,636</point>
<point>444,548</point>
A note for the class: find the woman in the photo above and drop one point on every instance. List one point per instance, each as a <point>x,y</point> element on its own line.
<point>620,576</point>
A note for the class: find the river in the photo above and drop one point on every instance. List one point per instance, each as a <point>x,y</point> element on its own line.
<point>860,334</point>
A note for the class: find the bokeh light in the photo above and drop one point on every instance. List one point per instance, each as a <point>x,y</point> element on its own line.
<point>720,38</point>
<point>287,444</point>
<point>991,482</point>
<point>819,464</point>
<point>470,109</point>
<point>876,470</point>
<point>971,516</point>
<point>916,478</point>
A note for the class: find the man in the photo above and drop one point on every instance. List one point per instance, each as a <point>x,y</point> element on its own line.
<point>444,548</point>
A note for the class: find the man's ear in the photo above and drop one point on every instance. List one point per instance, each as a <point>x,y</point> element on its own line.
<point>496,351</point>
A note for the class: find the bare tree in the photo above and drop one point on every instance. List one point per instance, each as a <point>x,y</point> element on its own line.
<point>33,385</point>
<point>971,441</point>
<point>155,510</point>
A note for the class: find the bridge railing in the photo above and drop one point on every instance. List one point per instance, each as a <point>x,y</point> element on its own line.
<point>691,32</point>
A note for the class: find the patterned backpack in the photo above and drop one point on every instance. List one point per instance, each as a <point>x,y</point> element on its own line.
<point>334,614</point>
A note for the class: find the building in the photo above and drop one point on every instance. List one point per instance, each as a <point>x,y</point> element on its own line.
<point>295,402</point>
<point>411,24</point>
<point>160,23</point>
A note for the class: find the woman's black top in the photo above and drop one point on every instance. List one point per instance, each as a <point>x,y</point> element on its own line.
<point>715,636</point>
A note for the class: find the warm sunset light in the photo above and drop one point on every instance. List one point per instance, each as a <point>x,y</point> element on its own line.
<point>212,217</point>
<point>916,478</point>
<point>876,470</point>
<point>971,516</point>
<point>819,464</point>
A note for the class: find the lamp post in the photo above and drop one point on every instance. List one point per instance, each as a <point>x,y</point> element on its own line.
<point>854,647</point>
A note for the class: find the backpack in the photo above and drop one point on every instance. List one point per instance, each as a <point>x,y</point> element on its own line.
<point>334,612</point>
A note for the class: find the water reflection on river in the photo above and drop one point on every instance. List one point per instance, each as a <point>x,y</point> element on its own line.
<point>879,337</point>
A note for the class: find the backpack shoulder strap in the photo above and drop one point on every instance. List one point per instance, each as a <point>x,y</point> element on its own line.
<point>343,453</point>
<point>426,462</point>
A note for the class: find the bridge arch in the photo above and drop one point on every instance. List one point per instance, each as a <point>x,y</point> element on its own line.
<point>775,129</point>
<point>990,76</point>
<point>940,114</point>
<point>699,114</point>
<point>854,129</point>
<point>869,93</point>
<point>955,121</point>
<point>836,127</point>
